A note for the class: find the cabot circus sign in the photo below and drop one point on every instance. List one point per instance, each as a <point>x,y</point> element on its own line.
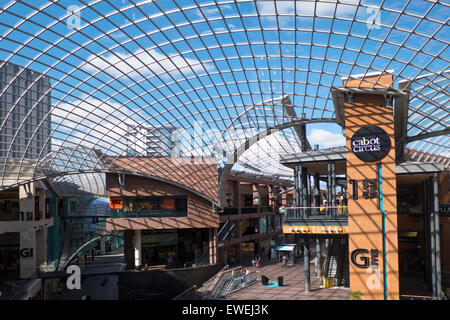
<point>370,143</point>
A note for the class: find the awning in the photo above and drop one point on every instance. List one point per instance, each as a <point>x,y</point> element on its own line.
<point>289,247</point>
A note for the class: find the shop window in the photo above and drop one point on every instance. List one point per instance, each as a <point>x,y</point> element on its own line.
<point>154,206</point>
<point>247,200</point>
<point>9,210</point>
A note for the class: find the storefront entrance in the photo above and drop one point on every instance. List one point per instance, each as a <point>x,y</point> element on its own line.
<point>158,248</point>
<point>9,256</point>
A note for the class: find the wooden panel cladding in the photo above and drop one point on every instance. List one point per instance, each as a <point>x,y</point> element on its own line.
<point>200,211</point>
<point>365,217</point>
<point>202,177</point>
<point>376,81</point>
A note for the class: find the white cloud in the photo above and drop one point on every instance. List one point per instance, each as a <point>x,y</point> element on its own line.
<point>308,7</point>
<point>96,124</point>
<point>146,62</point>
<point>326,138</point>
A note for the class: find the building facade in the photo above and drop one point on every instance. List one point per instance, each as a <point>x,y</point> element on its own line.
<point>386,237</point>
<point>250,223</point>
<point>149,141</point>
<point>25,101</point>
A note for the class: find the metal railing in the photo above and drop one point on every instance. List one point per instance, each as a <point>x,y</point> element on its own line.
<point>185,292</point>
<point>226,231</point>
<point>203,260</point>
<point>331,212</point>
<point>230,211</point>
<point>245,210</point>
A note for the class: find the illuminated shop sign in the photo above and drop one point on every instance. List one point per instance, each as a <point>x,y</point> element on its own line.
<point>370,143</point>
<point>315,229</point>
<point>115,203</point>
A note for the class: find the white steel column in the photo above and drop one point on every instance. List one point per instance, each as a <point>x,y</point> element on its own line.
<point>137,249</point>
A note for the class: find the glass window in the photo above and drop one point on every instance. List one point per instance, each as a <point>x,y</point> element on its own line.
<point>155,206</point>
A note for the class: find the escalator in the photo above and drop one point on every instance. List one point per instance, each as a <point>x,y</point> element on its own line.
<point>337,263</point>
<point>226,230</point>
<point>231,281</point>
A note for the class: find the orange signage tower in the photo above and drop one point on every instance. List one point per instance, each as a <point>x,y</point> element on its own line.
<point>372,203</point>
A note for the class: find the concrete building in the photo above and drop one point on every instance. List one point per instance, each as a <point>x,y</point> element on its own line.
<point>25,101</point>
<point>150,141</point>
<point>26,211</point>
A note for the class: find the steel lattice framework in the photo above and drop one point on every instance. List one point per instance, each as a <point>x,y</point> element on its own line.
<point>220,72</point>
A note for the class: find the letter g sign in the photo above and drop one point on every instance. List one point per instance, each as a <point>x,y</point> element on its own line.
<point>364,264</point>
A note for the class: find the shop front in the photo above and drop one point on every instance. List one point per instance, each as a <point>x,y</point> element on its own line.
<point>9,256</point>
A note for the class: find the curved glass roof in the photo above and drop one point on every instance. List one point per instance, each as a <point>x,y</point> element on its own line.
<point>83,79</point>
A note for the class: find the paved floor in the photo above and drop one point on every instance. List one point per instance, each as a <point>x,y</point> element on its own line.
<point>293,288</point>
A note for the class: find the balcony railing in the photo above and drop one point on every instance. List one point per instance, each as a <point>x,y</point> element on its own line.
<point>230,211</point>
<point>321,213</point>
<point>266,209</point>
<point>245,210</point>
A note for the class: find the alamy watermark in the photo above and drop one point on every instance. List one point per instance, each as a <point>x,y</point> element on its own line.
<point>74,20</point>
<point>74,280</point>
<point>373,21</point>
<point>207,146</point>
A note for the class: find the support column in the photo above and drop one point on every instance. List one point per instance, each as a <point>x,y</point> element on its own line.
<point>297,184</point>
<point>317,191</point>
<point>102,246</point>
<point>318,257</point>
<point>137,242</point>
<point>212,245</point>
<point>437,246</point>
<point>306,265</point>
<point>216,243</point>
<point>432,237</point>
<point>427,252</point>
<point>305,191</point>
<point>331,187</point>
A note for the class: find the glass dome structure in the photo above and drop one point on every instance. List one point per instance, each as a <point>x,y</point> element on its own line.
<point>202,79</point>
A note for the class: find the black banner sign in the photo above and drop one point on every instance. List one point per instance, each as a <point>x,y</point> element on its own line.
<point>370,143</point>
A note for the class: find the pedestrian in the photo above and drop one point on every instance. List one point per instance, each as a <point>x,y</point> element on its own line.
<point>242,276</point>
<point>284,263</point>
<point>253,262</point>
<point>257,261</point>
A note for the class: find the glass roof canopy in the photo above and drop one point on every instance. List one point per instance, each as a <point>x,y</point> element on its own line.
<point>219,72</point>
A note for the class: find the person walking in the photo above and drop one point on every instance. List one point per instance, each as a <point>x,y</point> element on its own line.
<point>284,262</point>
